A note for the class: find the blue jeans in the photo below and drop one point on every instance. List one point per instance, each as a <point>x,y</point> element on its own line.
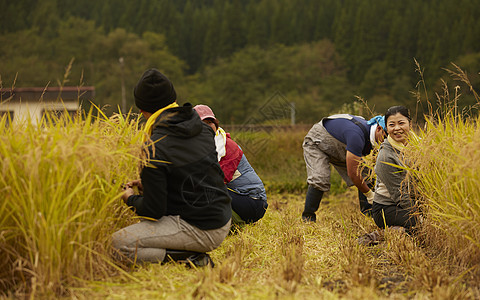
<point>249,209</point>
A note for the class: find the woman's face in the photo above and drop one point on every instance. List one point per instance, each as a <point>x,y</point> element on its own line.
<point>398,127</point>
<point>210,123</point>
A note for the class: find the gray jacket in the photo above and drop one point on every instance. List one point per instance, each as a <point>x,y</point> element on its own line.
<point>391,187</point>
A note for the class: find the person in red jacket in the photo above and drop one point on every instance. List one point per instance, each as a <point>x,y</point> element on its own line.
<point>249,198</point>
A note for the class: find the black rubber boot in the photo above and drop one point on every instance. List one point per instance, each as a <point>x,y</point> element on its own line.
<point>312,202</point>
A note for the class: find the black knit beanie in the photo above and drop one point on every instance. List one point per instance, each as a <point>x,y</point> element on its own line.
<point>153,91</point>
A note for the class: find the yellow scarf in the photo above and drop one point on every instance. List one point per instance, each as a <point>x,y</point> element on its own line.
<point>148,126</point>
<point>400,146</point>
<point>395,144</point>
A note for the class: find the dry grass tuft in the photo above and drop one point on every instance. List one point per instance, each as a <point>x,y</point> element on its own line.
<point>282,257</point>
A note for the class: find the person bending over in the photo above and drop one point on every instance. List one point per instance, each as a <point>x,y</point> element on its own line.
<point>339,140</point>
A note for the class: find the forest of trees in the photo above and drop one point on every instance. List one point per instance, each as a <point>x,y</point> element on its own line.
<point>236,54</point>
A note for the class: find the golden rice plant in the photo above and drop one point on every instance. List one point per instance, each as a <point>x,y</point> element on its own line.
<point>445,173</point>
<point>447,160</point>
<point>60,184</point>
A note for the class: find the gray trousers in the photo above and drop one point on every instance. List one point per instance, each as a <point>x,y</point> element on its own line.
<point>147,241</point>
<point>320,149</point>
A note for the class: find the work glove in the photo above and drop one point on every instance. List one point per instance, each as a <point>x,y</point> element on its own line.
<point>369,196</point>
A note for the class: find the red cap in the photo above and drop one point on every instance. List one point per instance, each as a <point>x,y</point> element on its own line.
<point>204,112</point>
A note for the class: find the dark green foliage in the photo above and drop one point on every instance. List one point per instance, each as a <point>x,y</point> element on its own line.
<point>34,60</point>
<point>311,75</point>
<point>236,53</point>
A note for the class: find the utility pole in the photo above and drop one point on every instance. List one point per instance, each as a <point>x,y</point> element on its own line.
<point>292,113</point>
<point>124,99</point>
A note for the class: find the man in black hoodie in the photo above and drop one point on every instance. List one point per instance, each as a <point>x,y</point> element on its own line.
<point>181,188</point>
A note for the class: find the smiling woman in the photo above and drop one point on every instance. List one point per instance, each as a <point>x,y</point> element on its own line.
<point>398,123</point>
<point>392,204</point>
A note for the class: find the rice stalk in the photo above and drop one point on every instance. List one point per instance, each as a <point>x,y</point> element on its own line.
<point>60,182</point>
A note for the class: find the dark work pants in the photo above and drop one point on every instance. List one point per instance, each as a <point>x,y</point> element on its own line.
<point>394,216</point>
<point>249,209</point>
<point>365,207</point>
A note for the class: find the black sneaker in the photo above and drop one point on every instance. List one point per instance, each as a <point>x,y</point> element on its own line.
<point>199,260</point>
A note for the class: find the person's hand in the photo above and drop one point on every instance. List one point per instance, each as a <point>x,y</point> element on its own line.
<point>127,192</point>
<point>370,194</point>
<point>137,183</point>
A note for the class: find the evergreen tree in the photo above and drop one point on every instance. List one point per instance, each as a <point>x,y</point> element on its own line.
<point>402,37</point>
<point>232,32</point>
<point>210,51</point>
<point>16,15</point>
<point>46,18</point>
<point>258,22</point>
<point>376,39</point>
<point>343,29</point>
